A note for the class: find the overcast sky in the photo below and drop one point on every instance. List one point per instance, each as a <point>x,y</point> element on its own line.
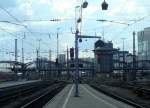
<point>35,14</point>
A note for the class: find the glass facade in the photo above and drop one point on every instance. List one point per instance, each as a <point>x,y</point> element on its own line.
<point>143,46</point>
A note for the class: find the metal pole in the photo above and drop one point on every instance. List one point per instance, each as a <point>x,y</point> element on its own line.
<point>37,56</point>
<point>16,58</point>
<point>23,48</point>
<point>39,47</point>
<point>123,66</point>
<point>50,59</point>
<point>76,65</point>
<point>57,42</point>
<point>22,52</point>
<point>76,53</point>
<point>39,60</point>
<point>76,94</point>
<point>81,19</point>
<point>68,74</point>
<point>57,52</point>
<point>134,58</point>
<point>50,55</point>
<point>16,52</point>
<point>23,56</point>
<point>37,63</point>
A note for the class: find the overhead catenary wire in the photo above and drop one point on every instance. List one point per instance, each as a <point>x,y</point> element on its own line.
<point>135,21</point>
<point>9,14</point>
<point>31,31</point>
<point>9,22</point>
<point>16,19</point>
<point>12,34</point>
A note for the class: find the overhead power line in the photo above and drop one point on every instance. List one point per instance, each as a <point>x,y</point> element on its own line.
<point>103,20</point>
<point>16,19</point>
<point>14,35</point>
<point>7,32</point>
<point>9,14</point>
<point>9,22</point>
<point>54,20</point>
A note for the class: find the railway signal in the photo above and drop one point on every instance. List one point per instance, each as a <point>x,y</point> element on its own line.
<point>72,53</point>
<point>56,61</point>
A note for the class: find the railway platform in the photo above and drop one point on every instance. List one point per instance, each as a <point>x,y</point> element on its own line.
<point>88,98</point>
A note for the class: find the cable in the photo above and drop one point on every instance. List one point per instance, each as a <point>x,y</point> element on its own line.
<point>135,21</point>
<point>12,23</point>
<point>13,34</point>
<point>16,19</point>
<point>140,19</point>
<point>9,14</point>
<point>7,32</point>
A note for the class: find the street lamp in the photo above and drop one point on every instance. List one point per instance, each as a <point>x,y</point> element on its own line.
<point>104,5</point>
<point>84,5</point>
<point>79,20</point>
<point>80,40</point>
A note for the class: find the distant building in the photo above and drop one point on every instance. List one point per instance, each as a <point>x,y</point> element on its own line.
<point>144,44</point>
<point>103,52</point>
<point>87,62</point>
<point>118,58</point>
<point>89,59</point>
<point>61,58</point>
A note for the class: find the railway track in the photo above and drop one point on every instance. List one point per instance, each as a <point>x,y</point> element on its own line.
<point>45,97</point>
<point>141,90</point>
<point>17,96</point>
<point>97,87</point>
